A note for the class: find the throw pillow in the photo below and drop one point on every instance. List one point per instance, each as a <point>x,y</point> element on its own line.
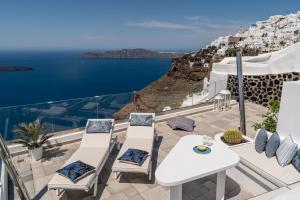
<point>141,120</point>
<point>272,145</point>
<point>134,156</point>
<point>286,151</point>
<point>76,170</point>
<point>296,160</point>
<point>98,126</point>
<point>261,140</point>
<point>184,123</point>
<point>172,123</point>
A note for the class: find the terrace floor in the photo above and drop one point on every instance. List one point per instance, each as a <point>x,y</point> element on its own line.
<point>137,187</point>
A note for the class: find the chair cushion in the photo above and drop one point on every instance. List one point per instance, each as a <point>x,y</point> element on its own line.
<point>134,156</point>
<point>142,144</point>
<point>266,167</point>
<point>172,123</point>
<point>286,151</point>
<point>272,145</point>
<point>296,160</point>
<point>261,140</point>
<point>181,122</point>
<point>95,126</point>
<point>76,170</point>
<point>141,120</point>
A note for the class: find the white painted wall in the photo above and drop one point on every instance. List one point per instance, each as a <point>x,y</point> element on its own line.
<point>289,120</point>
<point>283,61</point>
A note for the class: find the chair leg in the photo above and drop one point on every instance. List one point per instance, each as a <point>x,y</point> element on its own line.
<point>156,138</point>
<point>150,171</point>
<point>116,175</point>
<point>95,187</point>
<point>59,191</point>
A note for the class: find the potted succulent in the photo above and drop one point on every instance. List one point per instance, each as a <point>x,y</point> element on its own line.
<point>232,137</point>
<point>32,136</point>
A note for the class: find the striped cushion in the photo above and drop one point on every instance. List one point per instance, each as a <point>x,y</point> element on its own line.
<point>286,151</point>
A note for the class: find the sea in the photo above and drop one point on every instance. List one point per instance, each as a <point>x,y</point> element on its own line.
<point>65,90</point>
<point>61,75</point>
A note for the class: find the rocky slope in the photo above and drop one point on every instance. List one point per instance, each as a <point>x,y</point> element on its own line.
<point>184,77</point>
<point>186,73</point>
<point>131,53</point>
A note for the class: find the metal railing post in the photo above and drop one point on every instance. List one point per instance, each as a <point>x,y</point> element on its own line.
<point>97,103</point>
<point>241,93</point>
<point>12,171</point>
<point>134,101</point>
<point>4,182</point>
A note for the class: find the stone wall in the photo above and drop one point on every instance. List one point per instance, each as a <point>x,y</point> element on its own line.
<point>261,89</point>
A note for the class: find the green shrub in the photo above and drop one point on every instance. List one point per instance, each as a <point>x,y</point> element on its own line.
<point>270,119</point>
<point>233,136</point>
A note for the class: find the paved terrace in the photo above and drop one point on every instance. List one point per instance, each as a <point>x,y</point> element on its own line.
<point>137,187</point>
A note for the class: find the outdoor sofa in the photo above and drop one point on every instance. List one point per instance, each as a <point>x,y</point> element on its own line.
<point>287,178</point>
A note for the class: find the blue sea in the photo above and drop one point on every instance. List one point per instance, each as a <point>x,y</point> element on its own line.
<point>60,75</point>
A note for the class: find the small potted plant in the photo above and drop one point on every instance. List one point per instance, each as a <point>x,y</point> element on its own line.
<point>32,135</point>
<point>270,119</point>
<point>232,137</point>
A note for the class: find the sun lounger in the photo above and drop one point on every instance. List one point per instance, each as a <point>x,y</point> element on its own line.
<point>93,150</point>
<point>137,137</point>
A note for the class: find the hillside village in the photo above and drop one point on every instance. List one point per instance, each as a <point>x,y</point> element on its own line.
<point>275,33</point>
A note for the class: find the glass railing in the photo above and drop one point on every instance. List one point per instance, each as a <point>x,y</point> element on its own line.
<point>72,114</point>
<point>62,115</point>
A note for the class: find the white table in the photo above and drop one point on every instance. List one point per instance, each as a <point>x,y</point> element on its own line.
<point>183,165</point>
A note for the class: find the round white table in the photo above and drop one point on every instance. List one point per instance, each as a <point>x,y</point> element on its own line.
<point>183,165</point>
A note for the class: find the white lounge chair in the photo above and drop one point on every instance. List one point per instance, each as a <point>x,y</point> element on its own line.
<point>137,137</point>
<point>94,150</point>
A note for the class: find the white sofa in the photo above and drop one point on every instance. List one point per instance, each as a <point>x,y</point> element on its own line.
<point>287,177</point>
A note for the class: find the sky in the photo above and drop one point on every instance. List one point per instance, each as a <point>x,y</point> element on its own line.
<point>117,24</point>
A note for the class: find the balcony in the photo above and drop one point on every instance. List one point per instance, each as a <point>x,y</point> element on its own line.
<point>240,183</point>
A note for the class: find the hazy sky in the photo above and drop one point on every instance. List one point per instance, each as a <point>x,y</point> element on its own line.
<point>110,24</point>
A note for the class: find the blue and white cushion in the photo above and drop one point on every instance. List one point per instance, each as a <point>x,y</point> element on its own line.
<point>286,151</point>
<point>99,126</point>
<point>134,156</point>
<point>141,120</point>
<point>272,145</point>
<point>261,140</point>
<point>296,160</point>
<point>76,170</point>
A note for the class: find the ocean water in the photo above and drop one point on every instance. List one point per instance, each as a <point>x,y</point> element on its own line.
<point>60,83</point>
<point>64,75</point>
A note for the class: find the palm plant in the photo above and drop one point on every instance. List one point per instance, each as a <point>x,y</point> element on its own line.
<point>31,135</point>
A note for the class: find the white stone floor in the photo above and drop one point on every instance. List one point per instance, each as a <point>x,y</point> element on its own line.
<point>137,187</point>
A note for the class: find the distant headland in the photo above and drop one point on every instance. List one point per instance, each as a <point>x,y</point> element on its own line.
<point>131,53</point>
<point>14,68</point>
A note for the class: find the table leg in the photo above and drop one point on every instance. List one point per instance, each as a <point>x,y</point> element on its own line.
<point>221,178</point>
<point>176,192</point>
